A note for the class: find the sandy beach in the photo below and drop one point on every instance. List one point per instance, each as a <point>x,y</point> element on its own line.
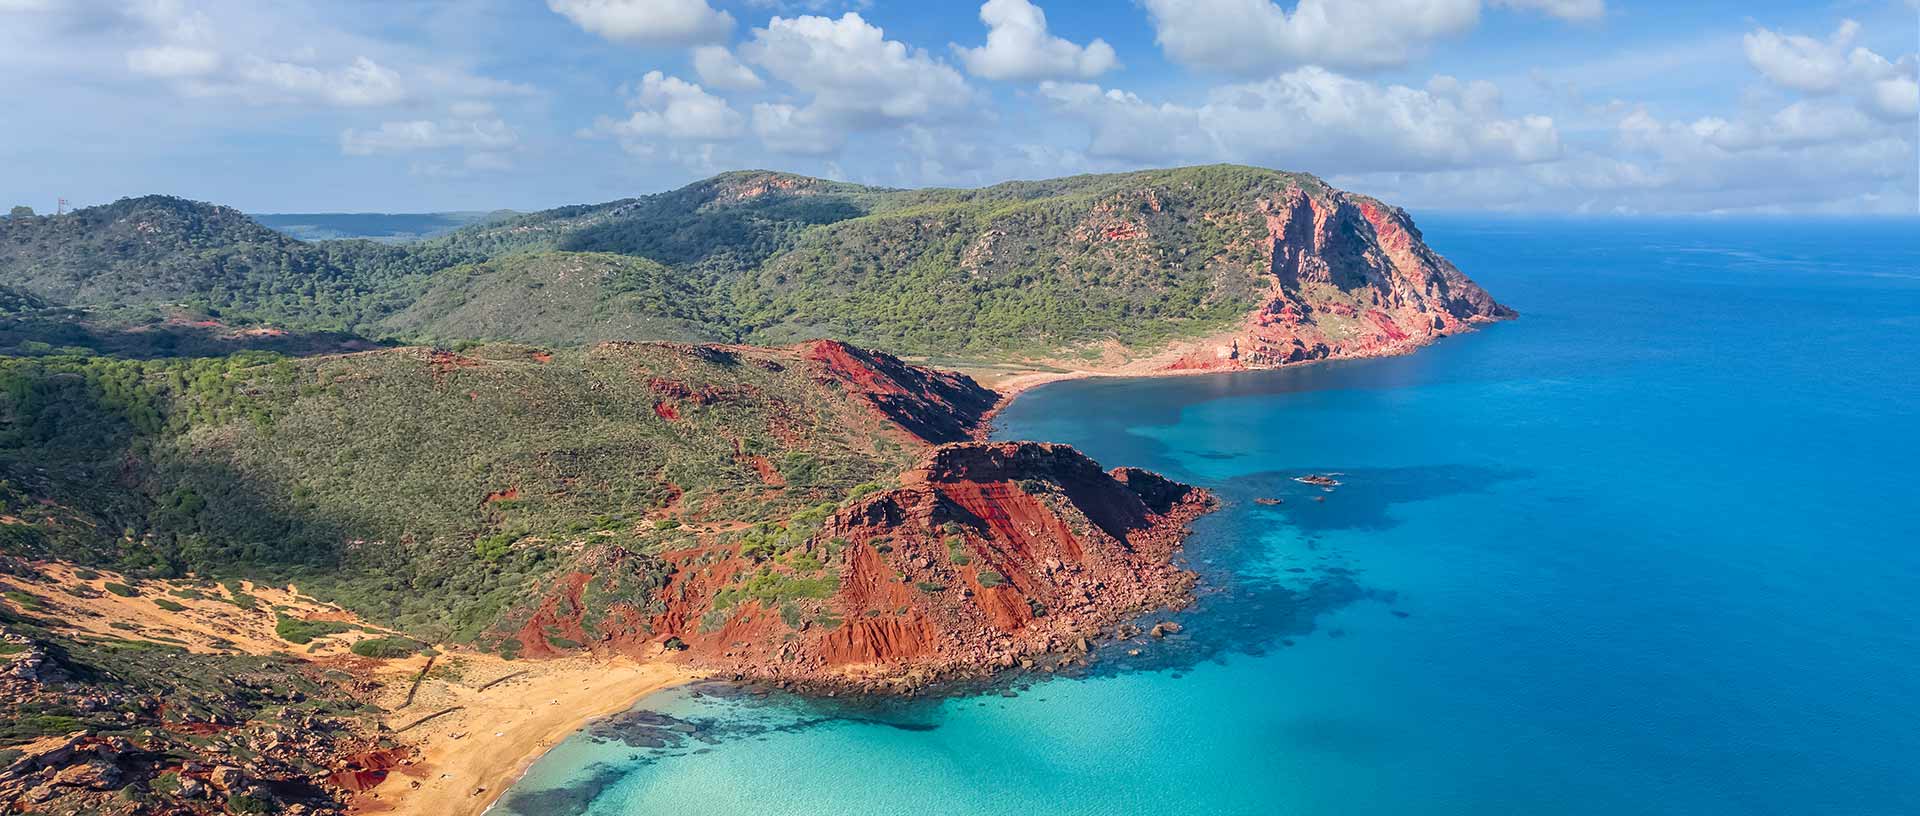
<point>471,756</point>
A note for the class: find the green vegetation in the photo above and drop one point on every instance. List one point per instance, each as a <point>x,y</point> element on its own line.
<point>138,255</point>
<point>1019,268</point>
<point>247,804</point>
<point>989,579</point>
<point>445,492</point>
<point>957,551</point>
<point>772,589</point>
<point>387,648</point>
<point>170,606</point>
<point>561,298</point>
<point>363,478</point>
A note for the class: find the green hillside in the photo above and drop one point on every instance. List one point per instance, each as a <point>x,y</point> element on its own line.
<point>1017,268</point>
<point>559,298</point>
<point>425,489</point>
<point>141,256</point>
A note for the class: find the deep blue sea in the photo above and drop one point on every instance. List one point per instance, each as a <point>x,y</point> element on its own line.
<point>1653,548</point>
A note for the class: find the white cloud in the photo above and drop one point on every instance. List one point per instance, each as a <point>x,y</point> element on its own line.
<point>1257,36</point>
<point>1835,66</point>
<point>1249,36</point>
<point>1799,62</point>
<point>856,77</point>
<point>1019,47</point>
<point>1812,155</point>
<point>1896,97</point>
<point>718,68</point>
<point>1312,119</point>
<point>1564,9</point>
<point>787,129</point>
<point>824,6</point>
<point>173,61</point>
<point>236,50</point>
<point>668,107</point>
<point>361,83</point>
<point>648,22</point>
<point>426,134</point>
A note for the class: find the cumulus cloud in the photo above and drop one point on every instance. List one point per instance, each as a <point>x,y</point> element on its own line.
<point>648,22</point>
<point>1800,62</point>
<point>856,77</point>
<point>800,131</point>
<point>1804,153</point>
<point>1835,66</point>
<point>667,107</point>
<point>1019,47</point>
<point>1313,119</point>
<point>718,68</point>
<point>1256,36</point>
<point>1250,36</point>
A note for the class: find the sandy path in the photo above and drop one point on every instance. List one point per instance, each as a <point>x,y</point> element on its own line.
<point>471,756</point>
<point>193,615</point>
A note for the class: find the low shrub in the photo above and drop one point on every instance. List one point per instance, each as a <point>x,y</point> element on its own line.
<point>297,630</point>
<point>388,648</point>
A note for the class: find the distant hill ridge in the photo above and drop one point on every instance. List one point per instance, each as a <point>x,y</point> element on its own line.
<point>1213,266</point>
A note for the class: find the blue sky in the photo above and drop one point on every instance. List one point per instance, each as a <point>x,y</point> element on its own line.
<point>1604,106</point>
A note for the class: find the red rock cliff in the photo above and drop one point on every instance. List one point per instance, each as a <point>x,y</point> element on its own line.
<point>1347,276</point>
<point>935,406</point>
<point>987,556</point>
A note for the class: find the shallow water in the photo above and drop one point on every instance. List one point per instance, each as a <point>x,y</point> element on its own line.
<point>1649,549</point>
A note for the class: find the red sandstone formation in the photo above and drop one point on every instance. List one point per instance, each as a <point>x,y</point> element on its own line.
<point>987,556</point>
<point>1349,276</point>
<point>936,406</point>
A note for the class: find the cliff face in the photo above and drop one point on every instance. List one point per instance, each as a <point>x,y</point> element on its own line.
<point>933,405</point>
<point>987,556</point>
<point>1345,276</point>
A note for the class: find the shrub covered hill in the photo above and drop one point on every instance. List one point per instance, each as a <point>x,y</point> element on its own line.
<point>539,501</point>
<point>1216,266</point>
<point>813,514</point>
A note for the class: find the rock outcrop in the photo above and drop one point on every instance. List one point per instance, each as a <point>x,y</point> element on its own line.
<point>986,556</point>
<point>934,405</point>
<point>1347,276</point>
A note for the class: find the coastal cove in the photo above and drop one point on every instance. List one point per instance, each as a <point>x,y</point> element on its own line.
<point>1642,551</point>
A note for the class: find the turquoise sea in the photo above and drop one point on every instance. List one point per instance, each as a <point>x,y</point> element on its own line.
<point>1654,548</point>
